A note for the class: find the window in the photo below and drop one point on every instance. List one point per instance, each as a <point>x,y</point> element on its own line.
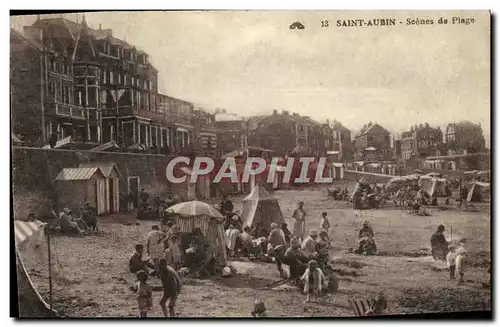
<point>125,79</point>
<point>119,78</point>
<point>111,81</point>
<point>370,138</point>
<point>133,81</point>
<point>104,75</point>
<point>79,100</point>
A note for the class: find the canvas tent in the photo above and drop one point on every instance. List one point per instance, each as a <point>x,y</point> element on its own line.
<point>476,191</point>
<point>261,207</point>
<point>28,236</point>
<point>433,186</point>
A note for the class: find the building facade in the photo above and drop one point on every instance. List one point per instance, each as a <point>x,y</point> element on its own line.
<point>464,137</point>
<point>97,88</point>
<point>422,140</point>
<point>230,131</point>
<point>373,143</point>
<point>288,134</point>
<point>341,141</point>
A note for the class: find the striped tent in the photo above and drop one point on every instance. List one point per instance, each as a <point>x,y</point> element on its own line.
<point>196,214</point>
<point>27,232</point>
<point>31,304</point>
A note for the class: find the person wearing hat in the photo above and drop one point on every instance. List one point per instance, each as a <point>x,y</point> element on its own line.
<point>286,232</point>
<point>439,245</point>
<point>450,260</point>
<point>309,245</point>
<point>276,236</point>
<point>314,280</point>
<point>299,226</point>
<point>295,260</point>
<point>144,293</point>
<point>68,226</point>
<point>172,285</point>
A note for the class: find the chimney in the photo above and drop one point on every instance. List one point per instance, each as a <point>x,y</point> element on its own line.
<point>100,27</point>
<point>33,33</point>
<point>217,111</point>
<point>223,111</point>
<point>275,112</point>
<point>328,122</point>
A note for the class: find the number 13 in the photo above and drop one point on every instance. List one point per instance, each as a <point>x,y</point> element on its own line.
<point>324,23</point>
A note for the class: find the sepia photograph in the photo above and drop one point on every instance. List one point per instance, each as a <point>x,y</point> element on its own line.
<point>251,164</point>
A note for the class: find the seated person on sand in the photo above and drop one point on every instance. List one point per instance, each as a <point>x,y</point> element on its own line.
<point>68,225</point>
<point>366,243</point>
<point>89,216</point>
<point>279,256</point>
<point>246,246</point>
<point>276,237</point>
<point>136,263</point>
<point>309,244</point>
<point>295,259</point>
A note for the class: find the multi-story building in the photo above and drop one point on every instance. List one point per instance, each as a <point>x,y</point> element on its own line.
<point>231,131</point>
<point>97,88</point>
<point>341,139</point>
<point>464,137</point>
<point>288,134</point>
<point>421,140</point>
<point>373,143</point>
<point>43,90</point>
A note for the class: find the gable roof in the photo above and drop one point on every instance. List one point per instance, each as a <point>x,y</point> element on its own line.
<point>77,174</point>
<point>105,167</point>
<point>370,128</point>
<point>30,42</point>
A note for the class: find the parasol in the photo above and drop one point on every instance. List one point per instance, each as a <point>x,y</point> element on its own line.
<point>195,208</point>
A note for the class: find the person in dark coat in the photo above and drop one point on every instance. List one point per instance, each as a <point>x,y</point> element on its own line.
<point>53,140</point>
<point>439,245</point>
<point>357,202</point>
<point>287,232</point>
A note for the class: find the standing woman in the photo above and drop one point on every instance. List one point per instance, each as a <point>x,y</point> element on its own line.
<point>299,226</point>
<point>357,203</point>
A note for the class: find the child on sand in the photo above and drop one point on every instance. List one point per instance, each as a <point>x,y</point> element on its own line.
<point>460,263</point>
<point>313,280</point>
<point>325,224</point>
<point>450,260</point>
<point>144,294</point>
<point>259,309</point>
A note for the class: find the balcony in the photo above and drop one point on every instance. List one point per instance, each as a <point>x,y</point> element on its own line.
<point>122,111</point>
<point>65,110</point>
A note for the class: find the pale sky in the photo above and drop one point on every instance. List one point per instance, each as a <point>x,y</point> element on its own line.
<point>251,63</point>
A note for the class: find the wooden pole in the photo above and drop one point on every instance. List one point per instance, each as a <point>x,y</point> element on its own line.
<point>50,268</point>
<point>451,234</point>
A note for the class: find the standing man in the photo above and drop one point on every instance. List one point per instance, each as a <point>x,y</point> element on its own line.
<point>299,226</point>
<point>171,288</point>
<point>155,246</point>
<point>227,208</point>
<point>464,192</point>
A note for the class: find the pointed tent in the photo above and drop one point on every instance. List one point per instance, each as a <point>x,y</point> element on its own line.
<point>261,207</point>
<point>476,191</point>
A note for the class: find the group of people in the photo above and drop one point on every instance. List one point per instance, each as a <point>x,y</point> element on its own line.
<point>71,224</point>
<point>454,255</point>
<point>169,252</point>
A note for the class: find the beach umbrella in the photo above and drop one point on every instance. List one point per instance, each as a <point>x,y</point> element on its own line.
<point>195,208</point>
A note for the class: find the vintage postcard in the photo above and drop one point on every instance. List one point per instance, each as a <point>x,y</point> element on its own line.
<point>251,164</point>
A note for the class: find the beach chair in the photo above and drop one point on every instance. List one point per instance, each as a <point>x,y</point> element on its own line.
<point>360,306</point>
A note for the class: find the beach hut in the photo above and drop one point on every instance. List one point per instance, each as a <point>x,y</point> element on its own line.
<point>112,184</point>
<point>77,186</point>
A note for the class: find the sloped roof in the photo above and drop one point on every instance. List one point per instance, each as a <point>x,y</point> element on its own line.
<point>105,167</point>
<point>339,127</point>
<point>77,174</point>
<point>32,43</point>
<point>369,129</point>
